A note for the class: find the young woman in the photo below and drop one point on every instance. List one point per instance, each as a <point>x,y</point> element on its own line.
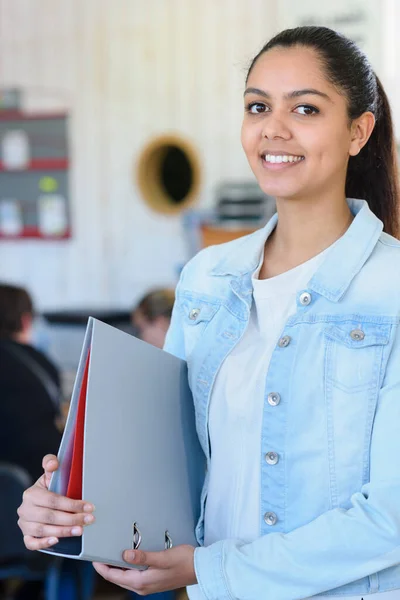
<point>293,344</point>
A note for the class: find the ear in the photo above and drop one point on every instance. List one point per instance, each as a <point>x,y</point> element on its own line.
<point>361,129</point>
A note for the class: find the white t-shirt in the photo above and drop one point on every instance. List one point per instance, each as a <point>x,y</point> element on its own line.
<point>236,410</point>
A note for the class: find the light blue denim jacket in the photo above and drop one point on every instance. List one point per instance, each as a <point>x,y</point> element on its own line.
<point>331,412</point>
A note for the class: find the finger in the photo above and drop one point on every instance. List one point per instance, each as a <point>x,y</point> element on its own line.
<point>157,560</point>
<point>37,496</point>
<point>130,578</point>
<point>39,530</point>
<point>47,516</point>
<point>49,464</point>
<point>33,543</point>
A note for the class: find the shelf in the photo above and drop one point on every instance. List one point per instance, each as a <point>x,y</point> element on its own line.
<point>40,164</point>
<point>34,233</point>
<point>16,115</point>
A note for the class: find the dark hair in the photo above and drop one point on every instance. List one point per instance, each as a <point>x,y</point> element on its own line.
<point>371,175</point>
<point>14,303</point>
<point>157,303</point>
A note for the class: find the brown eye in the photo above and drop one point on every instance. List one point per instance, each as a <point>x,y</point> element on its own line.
<point>306,110</point>
<point>256,108</point>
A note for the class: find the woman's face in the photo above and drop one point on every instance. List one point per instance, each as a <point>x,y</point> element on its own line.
<point>295,130</point>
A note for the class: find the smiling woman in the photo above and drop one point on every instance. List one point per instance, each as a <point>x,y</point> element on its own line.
<point>312,94</point>
<point>292,341</point>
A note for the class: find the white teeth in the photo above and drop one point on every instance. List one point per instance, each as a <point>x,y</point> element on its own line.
<point>284,158</point>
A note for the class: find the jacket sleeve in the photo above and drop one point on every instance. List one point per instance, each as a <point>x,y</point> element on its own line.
<point>338,547</point>
<point>174,341</point>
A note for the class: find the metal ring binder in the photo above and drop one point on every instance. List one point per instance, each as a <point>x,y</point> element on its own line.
<point>136,537</point>
<point>168,541</point>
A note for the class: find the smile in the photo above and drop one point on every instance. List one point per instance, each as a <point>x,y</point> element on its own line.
<point>282,158</point>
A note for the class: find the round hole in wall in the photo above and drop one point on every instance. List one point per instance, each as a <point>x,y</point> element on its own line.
<point>169,174</point>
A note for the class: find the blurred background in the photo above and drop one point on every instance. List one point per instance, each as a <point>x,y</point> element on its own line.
<point>120,128</point>
<point>120,151</point>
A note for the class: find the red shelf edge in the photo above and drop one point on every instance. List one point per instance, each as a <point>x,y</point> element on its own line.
<point>40,164</point>
<point>34,233</point>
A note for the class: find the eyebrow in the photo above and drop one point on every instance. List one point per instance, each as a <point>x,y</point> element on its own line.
<point>290,95</point>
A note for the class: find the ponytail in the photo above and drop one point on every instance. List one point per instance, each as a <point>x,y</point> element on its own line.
<point>373,174</point>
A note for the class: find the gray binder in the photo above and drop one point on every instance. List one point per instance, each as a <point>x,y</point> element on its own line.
<point>143,468</point>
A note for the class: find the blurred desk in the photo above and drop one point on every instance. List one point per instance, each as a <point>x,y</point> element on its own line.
<point>212,234</point>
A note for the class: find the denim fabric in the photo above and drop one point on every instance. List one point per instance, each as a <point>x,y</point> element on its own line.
<point>335,491</point>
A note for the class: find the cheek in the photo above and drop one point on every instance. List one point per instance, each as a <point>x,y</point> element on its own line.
<point>329,148</point>
<point>248,139</point>
<point>243,139</point>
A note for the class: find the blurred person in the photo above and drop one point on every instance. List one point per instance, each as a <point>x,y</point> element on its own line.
<point>152,316</point>
<point>30,389</point>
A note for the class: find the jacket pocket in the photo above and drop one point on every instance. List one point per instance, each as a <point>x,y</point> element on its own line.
<point>354,363</point>
<point>354,354</point>
<point>197,311</point>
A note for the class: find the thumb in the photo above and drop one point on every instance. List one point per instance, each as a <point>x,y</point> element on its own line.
<point>158,560</point>
<point>49,464</point>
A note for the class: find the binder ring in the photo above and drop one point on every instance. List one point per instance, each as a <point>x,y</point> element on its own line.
<point>168,541</point>
<point>136,537</point>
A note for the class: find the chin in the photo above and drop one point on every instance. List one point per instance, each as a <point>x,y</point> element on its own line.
<point>278,187</point>
<point>280,191</point>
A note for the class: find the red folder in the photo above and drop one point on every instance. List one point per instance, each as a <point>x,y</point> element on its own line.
<point>74,489</point>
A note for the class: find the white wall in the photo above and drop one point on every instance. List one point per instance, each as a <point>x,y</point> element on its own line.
<point>372,24</point>
<point>126,70</point>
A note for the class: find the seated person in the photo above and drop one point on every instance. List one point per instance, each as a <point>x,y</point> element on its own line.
<point>29,388</point>
<point>152,316</point>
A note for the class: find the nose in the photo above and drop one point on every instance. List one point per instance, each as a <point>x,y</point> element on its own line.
<point>275,127</point>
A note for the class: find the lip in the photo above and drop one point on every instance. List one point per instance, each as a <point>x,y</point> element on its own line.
<point>279,153</point>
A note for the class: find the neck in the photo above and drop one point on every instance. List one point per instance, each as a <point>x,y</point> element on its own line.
<point>304,229</point>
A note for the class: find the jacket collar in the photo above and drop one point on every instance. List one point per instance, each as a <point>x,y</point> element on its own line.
<point>339,268</point>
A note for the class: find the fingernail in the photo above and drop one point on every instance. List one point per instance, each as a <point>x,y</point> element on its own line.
<point>52,541</point>
<point>129,555</point>
<point>88,508</point>
<point>89,519</point>
<point>76,531</point>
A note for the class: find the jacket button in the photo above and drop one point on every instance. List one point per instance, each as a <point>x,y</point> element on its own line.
<point>194,313</point>
<point>284,341</point>
<point>357,334</point>
<point>273,399</point>
<point>270,518</point>
<point>305,298</point>
<point>271,458</point>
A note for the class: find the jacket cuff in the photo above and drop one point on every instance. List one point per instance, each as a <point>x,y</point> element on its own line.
<point>208,564</point>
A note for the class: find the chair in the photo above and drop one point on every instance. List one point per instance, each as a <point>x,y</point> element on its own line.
<point>63,579</point>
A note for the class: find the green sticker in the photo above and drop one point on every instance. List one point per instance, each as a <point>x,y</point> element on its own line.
<point>48,184</point>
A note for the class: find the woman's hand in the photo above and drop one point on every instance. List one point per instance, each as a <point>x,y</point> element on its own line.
<point>44,517</point>
<point>167,570</point>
